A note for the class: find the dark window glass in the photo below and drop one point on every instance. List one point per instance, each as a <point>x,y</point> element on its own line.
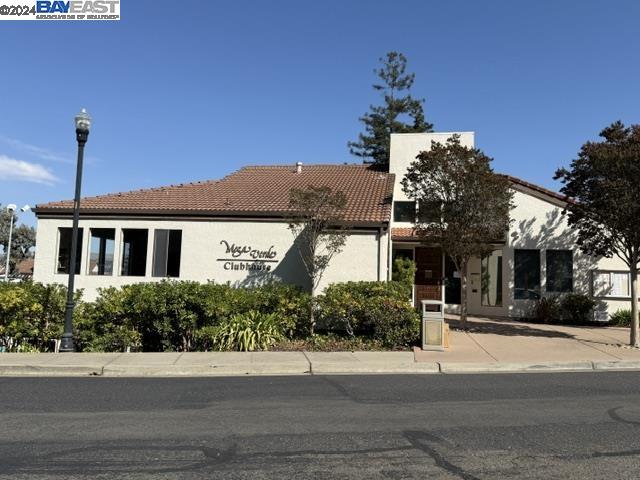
<point>559,271</point>
<point>134,252</point>
<point>403,253</point>
<point>429,212</point>
<point>64,250</point>
<point>101,248</point>
<point>404,211</point>
<point>166,253</point>
<point>527,274</point>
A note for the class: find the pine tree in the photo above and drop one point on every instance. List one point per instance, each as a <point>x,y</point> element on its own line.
<point>398,114</point>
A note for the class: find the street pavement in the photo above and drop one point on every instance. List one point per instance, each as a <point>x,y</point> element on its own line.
<point>492,426</point>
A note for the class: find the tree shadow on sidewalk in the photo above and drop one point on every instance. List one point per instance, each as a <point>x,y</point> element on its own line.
<point>508,328</point>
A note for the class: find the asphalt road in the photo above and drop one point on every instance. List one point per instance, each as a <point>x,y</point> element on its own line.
<point>542,426</point>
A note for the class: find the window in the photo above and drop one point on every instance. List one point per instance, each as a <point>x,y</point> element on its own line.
<point>103,241</point>
<point>429,212</point>
<point>559,271</point>
<point>64,250</point>
<point>611,284</point>
<point>166,253</point>
<point>527,275</point>
<point>134,252</point>
<point>492,279</point>
<point>404,212</point>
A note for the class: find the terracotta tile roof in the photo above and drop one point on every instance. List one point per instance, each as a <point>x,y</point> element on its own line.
<point>250,191</point>
<point>404,234</point>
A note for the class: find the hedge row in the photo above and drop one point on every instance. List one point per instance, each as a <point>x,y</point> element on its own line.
<point>189,316</point>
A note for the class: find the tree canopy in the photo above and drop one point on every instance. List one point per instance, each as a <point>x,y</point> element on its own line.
<point>470,203</point>
<point>604,183</point>
<point>317,215</point>
<point>399,113</point>
<point>23,238</point>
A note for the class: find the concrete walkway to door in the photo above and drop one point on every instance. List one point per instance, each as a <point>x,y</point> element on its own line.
<point>503,344</point>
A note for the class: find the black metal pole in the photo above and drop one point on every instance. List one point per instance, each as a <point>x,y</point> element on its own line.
<point>66,345</point>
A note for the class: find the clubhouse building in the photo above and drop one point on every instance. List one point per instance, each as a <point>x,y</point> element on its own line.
<point>235,230</point>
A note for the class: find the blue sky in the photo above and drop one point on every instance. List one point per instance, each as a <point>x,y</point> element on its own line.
<point>193,90</point>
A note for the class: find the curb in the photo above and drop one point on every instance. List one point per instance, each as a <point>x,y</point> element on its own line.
<point>50,371</point>
<point>320,368</point>
<point>202,370</point>
<point>498,367</point>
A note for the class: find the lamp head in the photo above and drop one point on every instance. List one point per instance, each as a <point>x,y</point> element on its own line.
<point>83,120</point>
<point>26,208</point>
<point>11,207</point>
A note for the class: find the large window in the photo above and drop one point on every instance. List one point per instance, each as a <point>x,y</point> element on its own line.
<point>527,274</point>
<point>134,252</point>
<point>64,250</point>
<point>429,212</point>
<point>166,253</point>
<point>404,212</point>
<point>611,284</point>
<point>492,279</point>
<point>103,241</point>
<point>559,271</point>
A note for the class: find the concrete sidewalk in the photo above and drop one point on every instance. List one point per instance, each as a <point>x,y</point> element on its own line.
<point>506,345</point>
<point>489,345</point>
<point>210,364</point>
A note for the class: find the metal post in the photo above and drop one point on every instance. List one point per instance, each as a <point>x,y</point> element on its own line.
<point>6,271</point>
<point>66,344</point>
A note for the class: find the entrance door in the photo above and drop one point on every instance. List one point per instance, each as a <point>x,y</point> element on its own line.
<point>452,283</point>
<point>428,274</point>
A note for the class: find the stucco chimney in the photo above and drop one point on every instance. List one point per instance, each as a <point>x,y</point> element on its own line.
<point>298,167</point>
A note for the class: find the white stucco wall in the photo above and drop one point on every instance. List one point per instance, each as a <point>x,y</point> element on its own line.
<point>406,146</point>
<point>363,257</point>
<point>539,224</point>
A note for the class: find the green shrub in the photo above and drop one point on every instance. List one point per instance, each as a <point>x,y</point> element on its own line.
<point>246,332</point>
<point>105,325</point>
<point>622,318</point>
<point>404,272</point>
<point>289,302</point>
<point>31,315</point>
<point>547,310</point>
<point>376,309</point>
<point>576,308</point>
<point>571,309</point>
<point>165,316</point>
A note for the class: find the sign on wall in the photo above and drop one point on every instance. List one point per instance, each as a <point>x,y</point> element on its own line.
<point>247,258</point>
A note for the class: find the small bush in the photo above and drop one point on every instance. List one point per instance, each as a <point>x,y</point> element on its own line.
<point>404,272</point>
<point>547,310</point>
<point>375,309</point>
<point>622,318</point>
<point>576,309</point>
<point>245,332</point>
<point>106,326</point>
<point>31,315</point>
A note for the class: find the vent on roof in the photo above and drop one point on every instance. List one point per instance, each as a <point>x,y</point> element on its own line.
<point>299,167</point>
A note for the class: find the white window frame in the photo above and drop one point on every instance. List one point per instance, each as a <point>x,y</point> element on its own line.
<point>596,273</point>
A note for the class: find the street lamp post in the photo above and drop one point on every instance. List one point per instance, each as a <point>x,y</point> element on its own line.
<point>10,208</point>
<point>83,123</point>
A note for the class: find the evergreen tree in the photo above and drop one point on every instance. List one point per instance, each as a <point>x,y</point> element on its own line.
<point>400,112</point>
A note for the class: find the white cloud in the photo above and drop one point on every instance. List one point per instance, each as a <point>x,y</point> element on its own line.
<point>39,152</point>
<point>12,169</point>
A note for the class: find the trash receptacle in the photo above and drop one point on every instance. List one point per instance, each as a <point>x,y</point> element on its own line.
<point>433,325</point>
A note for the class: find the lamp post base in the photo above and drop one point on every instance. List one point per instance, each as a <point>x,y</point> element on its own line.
<point>66,344</point>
